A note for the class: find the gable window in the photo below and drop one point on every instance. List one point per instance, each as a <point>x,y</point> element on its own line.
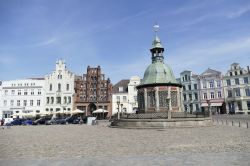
<point>120,89</point>
<point>237,81</point>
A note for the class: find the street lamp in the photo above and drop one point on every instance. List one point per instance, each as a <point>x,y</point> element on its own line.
<point>209,109</point>
<point>118,103</point>
<point>121,109</point>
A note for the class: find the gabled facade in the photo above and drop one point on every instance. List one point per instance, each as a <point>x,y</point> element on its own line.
<point>59,87</point>
<point>191,95</point>
<point>93,91</point>
<point>237,89</point>
<point>211,91</point>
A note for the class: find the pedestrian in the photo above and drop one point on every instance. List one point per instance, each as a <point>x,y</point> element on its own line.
<point>2,123</point>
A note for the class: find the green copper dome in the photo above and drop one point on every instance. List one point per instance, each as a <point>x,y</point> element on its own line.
<point>158,72</point>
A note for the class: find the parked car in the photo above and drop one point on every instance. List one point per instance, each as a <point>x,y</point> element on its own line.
<point>55,121</point>
<point>72,120</point>
<point>17,122</point>
<point>27,122</point>
<point>7,121</point>
<point>40,121</point>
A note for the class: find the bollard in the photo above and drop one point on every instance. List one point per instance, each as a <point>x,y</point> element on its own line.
<point>239,123</point>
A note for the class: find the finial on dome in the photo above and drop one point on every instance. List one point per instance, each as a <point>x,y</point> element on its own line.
<point>156,28</point>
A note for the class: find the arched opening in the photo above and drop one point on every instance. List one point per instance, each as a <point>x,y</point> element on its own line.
<point>92,107</point>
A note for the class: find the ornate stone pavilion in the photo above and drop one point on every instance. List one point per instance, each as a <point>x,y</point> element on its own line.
<point>159,91</point>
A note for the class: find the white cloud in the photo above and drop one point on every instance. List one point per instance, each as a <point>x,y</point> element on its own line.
<point>239,12</point>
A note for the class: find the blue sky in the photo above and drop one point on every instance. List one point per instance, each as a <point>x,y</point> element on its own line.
<point>117,35</point>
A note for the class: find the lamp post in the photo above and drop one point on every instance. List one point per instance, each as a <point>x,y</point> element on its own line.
<point>118,103</point>
<point>209,109</point>
<point>121,109</point>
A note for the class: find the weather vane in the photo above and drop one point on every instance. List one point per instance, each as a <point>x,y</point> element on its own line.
<point>156,28</point>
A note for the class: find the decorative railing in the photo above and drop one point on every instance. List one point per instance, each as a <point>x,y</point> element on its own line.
<point>164,115</point>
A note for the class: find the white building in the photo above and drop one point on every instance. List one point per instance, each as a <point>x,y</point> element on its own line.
<point>191,96</point>
<point>211,91</point>
<point>59,87</point>
<point>124,96</point>
<point>237,89</point>
<point>22,98</point>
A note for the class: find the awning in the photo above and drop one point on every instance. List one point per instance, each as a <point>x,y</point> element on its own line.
<point>204,105</point>
<point>212,105</point>
<point>100,111</point>
<point>216,104</point>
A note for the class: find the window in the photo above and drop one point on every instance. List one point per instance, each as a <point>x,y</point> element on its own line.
<point>204,95</point>
<point>219,94</point>
<point>124,98</point>
<point>67,87</point>
<point>228,82</point>
<point>25,93</point>
<point>196,96</point>
<point>185,77</point>
<point>189,87</point>
<point>218,84</point>
<point>190,96</point>
<point>18,102</point>
<point>248,105</point>
<point>229,93</point>
<point>117,98</point>
<point>212,95</point>
<point>50,87</point>
<point>235,73</point>
<point>239,105</point>
<point>247,91</point>
<point>195,86</point>
<point>184,87</point>
<point>52,100</point>
<point>58,100</point>
<point>31,102</point>
<point>204,85</point>
<point>120,89</point>
<point>12,102</point>
<point>237,81</point>
<point>5,102</point>
<point>245,80</point>
<point>25,103</point>
<point>12,92</point>
<point>32,92</point>
<point>47,100</point>
<point>6,92</point>
<point>65,99</point>
<point>39,92</point>
<point>211,84</point>
<point>231,73</point>
<point>197,106</point>
<point>38,102</point>
<point>185,97</point>
<point>237,91</point>
<point>69,99</point>
<point>59,87</point>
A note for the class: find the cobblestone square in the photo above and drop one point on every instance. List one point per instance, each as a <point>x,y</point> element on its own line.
<point>101,145</point>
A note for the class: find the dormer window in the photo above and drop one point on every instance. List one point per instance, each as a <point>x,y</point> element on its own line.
<point>120,89</point>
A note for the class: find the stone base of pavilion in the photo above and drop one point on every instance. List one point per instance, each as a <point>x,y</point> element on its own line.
<point>146,122</point>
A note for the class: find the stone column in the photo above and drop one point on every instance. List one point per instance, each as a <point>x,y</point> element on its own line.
<point>146,99</point>
<point>169,102</point>
<point>157,99</point>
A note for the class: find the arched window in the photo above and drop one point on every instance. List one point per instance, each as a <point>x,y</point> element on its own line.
<point>50,87</point>
<point>59,87</point>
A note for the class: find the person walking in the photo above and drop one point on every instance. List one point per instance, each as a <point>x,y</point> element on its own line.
<point>2,123</point>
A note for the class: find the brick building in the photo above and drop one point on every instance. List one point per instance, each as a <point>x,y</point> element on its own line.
<point>92,91</point>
